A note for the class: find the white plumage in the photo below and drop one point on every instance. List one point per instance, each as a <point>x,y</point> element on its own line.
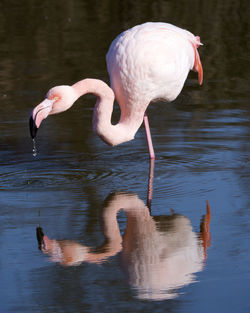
<point>145,63</point>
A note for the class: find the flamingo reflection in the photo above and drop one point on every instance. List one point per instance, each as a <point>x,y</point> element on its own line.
<point>158,254</point>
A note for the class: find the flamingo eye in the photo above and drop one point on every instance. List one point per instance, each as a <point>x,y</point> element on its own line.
<point>56,98</point>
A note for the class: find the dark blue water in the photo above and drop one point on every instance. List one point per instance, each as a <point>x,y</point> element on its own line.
<point>106,250</point>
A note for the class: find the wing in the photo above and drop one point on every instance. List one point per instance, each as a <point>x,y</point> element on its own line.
<point>151,61</point>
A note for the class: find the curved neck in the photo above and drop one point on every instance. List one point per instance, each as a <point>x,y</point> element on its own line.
<point>139,222</point>
<point>137,213</point>
<point>111,134</point>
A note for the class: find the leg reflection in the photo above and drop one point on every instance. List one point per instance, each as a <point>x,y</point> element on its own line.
<point>150,183</point>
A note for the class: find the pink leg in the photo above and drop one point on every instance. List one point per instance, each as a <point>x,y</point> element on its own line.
<point>149,139</point>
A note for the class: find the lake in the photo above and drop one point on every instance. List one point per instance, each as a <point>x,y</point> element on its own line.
<point>104,245</point>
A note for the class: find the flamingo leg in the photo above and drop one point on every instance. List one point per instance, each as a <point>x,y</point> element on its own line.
<point>149,139</point>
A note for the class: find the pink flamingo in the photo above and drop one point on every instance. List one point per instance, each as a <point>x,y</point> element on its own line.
<point>145,63</point>
<point>158,254</point>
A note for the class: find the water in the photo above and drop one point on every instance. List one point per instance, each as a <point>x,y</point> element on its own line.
<point>34,150</point>
<point>163,262</point>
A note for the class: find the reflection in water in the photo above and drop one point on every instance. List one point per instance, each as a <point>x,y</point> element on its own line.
<point>158,254</point>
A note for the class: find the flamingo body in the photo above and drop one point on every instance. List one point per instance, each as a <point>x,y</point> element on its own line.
<point>149,62</point>
<point>158,254</point>
<point>145,63</point>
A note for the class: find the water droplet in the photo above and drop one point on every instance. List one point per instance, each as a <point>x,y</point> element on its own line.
<point>34,151</point>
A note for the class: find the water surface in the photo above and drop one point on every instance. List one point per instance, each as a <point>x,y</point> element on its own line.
<point>202,146</point>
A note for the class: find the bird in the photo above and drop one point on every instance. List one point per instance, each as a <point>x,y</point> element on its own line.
<point>158,254</point>
<point>146,63</point>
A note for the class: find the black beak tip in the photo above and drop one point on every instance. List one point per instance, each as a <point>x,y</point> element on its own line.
<point>33,128</point>
<point>39,236</point>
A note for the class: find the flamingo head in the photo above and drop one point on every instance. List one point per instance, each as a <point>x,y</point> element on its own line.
<point>58,99</point>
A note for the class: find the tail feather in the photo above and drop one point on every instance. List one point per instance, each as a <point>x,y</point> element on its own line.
<point>197,64</point>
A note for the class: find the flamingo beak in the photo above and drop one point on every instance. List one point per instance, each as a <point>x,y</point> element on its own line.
<point>39,113</point>
<point>39,236</point>
<point>33,128</point>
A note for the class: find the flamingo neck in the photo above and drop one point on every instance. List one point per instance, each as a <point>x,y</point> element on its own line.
<point>137,213</point>
<point>109,133</point>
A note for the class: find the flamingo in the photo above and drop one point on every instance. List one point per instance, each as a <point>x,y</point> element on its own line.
<point>158,254</point>
<point>146,63</point>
